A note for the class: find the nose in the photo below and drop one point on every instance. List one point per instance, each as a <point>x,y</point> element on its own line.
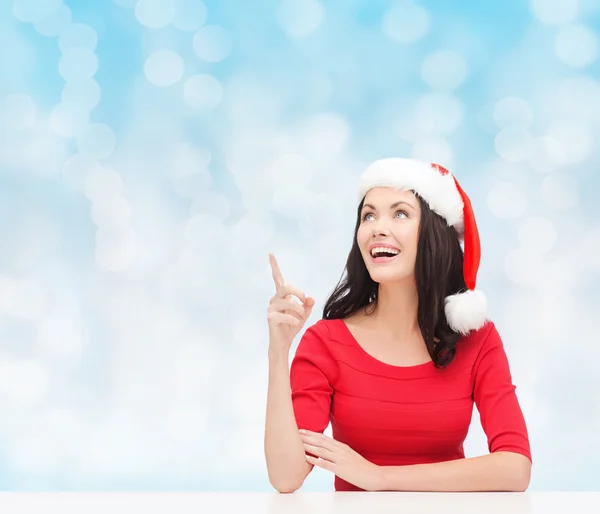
<point>380,228</point>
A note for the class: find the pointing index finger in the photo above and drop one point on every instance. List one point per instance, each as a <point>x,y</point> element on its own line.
<point>277,276</point>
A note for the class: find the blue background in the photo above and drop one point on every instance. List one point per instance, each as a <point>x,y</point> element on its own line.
<point>152,153</point>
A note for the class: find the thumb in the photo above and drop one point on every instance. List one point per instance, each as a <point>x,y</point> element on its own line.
<point>309,303</point>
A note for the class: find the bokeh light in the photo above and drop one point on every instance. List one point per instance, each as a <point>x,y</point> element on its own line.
<point>300,18</point>
<point>406,22</point>
<point>154,151</point>
<point>212,43</point>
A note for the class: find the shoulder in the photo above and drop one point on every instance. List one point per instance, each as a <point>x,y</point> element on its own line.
<point>326,336</point>
<point>315,339</point>
<point>315,348</point>
<point>472,344</point>
<point>480,335</point>
<point>328,330</point>
<point>318,330</point>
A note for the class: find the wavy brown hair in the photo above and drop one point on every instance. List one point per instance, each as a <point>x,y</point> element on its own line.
<point>438,273</point>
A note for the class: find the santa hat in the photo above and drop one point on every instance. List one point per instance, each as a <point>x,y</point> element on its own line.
<point>467,310</point>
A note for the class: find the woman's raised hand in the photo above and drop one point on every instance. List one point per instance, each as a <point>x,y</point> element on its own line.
<point>285,315</point>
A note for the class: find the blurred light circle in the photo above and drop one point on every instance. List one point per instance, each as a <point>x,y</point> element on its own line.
<point>84,91</point>
<point>554,12</point>
<point>254,229</point>
<point>523,266</point>
<point>24,381</point>
<point>537,234</point>
<point>202,92</point>
<point>434,149</point>
<point>485,119</point>
<point>438,112</point>
<point>193,184</point>
<point>212,43</point>
<point>507,200</point>
<point>77,168</point>
<point>188,159</point>
<point>325,134</point>
<point>34,11</point>
<point>547,154</point>
<point>513,111</point>
<point>576,46</point>
<point>97,141</point>
<point>155,14</point>
<point>78,35</point>
<point>290,169</point>
<point>102,185</point>
<point>590,250</point>
<point>55,23</point>
<point>560,191</point>
<point>575,98</point>
<point>209,202</point>
<point>300,18</point>
<point>68,119</point>
<point>444,70</point>
<point>116,247</point>
<point>203,228</point>
<point>112,212</point>
<point>19,111</point>
<point>78,63</point>
<point>291,202</point>
<point>574,138</point>
<point>406,22</point>
<point>189,14</point>
<point>164,68</point>
<point>513,144</point>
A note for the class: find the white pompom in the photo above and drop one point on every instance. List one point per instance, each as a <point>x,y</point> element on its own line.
<point>466,311</point>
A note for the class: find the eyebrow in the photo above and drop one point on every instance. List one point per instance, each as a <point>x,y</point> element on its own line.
<point>393,206</point>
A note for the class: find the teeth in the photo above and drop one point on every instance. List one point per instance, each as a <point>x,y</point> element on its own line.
<point>379,249</point>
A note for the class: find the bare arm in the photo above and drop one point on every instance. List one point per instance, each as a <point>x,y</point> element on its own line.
<point>284,452</point>
<point>499,471</point>
<point>508,465</point>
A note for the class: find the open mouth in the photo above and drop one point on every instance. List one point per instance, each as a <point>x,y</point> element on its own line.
<point>382,255</point>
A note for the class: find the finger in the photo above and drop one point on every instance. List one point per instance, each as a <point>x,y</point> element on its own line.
<point>329,466</point>
<point>279,318</point>
<point>319,452</point>
<point>287,289</point>
<point>328,444</point>
<point>309,303</point>
<point>275,271</point>
<point>280,304</point>
<point>320,440</point>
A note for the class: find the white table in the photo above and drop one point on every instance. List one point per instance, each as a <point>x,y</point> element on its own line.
<point>299,502</point>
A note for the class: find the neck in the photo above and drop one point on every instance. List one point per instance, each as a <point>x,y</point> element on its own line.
<point>396,310</point>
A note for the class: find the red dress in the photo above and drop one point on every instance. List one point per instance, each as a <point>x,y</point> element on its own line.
<point>395,415</point>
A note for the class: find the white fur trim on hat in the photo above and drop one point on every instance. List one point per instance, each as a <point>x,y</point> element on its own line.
<point>438,190</point>
<point>466,311</point>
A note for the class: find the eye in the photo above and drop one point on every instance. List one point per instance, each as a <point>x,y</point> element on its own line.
<point>366,214</point>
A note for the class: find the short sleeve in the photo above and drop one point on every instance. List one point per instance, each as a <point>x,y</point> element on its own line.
<point>311,376</point>
<point>494,395</point>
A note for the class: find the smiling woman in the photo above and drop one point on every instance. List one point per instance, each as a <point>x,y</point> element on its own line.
<point>428,257</point>
<point>403,352</point>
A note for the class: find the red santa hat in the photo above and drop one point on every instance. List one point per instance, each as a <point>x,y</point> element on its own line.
<point>466,310</point>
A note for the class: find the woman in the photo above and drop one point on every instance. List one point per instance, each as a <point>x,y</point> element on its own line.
<point>402,353</point>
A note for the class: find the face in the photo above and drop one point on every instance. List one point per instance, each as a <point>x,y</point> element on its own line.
<point>389,218</point>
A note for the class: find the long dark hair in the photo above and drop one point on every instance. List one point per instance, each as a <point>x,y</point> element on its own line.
<point>438,273</point>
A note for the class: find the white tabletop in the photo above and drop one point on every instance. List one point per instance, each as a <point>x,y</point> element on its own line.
<point>299,502</point>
